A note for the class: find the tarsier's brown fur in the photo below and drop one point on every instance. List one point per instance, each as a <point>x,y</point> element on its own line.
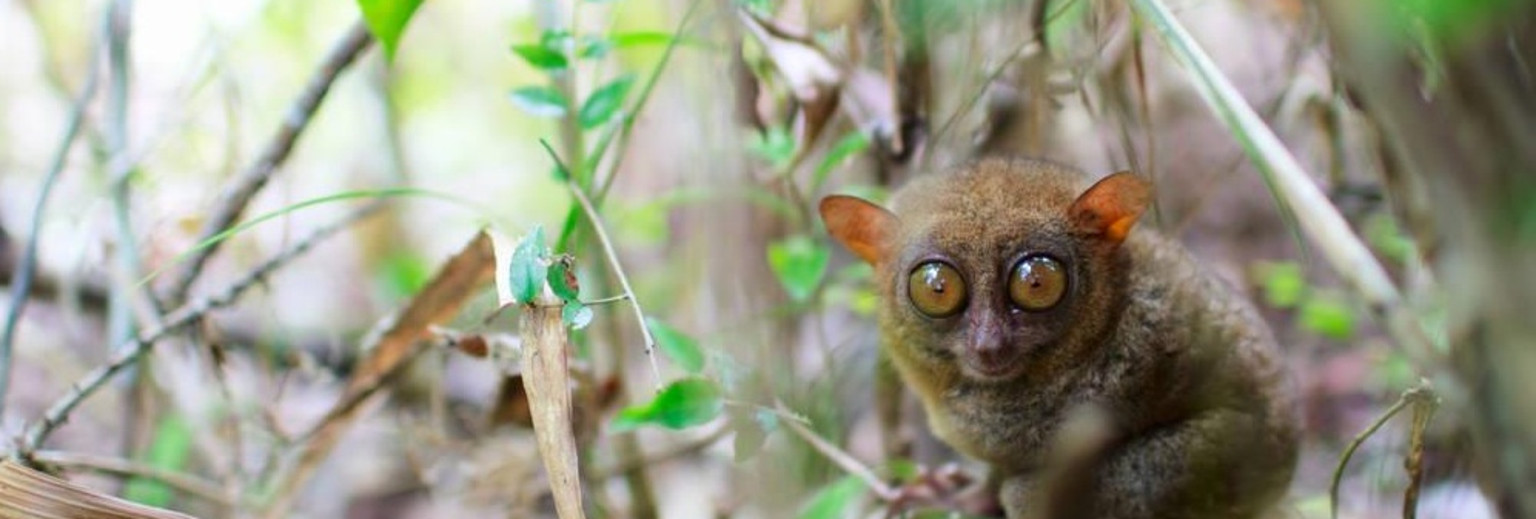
<point>1169,384</point>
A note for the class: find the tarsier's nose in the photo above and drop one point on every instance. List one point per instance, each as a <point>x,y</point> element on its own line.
<point>988,352</point>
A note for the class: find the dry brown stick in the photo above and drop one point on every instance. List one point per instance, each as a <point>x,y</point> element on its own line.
<point>546,379</point>
<point>837,456</point>
<point>1423,409</point>
<point>233,200</point>
<point>130,351</point>
<point>120,467</point>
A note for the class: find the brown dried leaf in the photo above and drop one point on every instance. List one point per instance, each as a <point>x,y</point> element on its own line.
<point>437,302</point>
<point>28,494</point>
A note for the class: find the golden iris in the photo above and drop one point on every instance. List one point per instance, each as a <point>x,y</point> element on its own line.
<point>1038,283</point>
<point>936,289</point>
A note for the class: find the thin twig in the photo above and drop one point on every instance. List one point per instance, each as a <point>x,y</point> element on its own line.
<point>129,352</point>
<point>238,194</point>
<point>606,300</point>
<point>121,467</point>
<point>1409,396</point>
<point>26,270</point>
<point>837,455</point>
<point>618,271</point>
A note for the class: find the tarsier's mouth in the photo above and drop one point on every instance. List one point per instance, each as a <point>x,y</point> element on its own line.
<point>995,368</point>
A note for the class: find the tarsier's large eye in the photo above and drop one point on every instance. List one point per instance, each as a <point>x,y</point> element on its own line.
<point>1037,283</point>
<point>936,289</point>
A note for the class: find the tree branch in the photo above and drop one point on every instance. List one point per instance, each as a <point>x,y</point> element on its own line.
<point>26,269</point>
<point>129,352</point>
<point>238,194</point>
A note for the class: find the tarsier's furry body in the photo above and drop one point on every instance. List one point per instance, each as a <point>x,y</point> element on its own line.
<point>1119,380</point>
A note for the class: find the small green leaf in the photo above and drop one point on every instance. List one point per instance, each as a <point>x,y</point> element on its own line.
<point>604,102</point>
<point>593,47</point>
<point>903,470</point>
<point>1329,316</point>
<point>853,144</point>
<point>685,403</point>
<point>1382,234</point>
<point>540,101</point>
<point>541,57</point>
<point>529,267</point>
<point>576,315</point>
<point>386,19</point>
<point>562,280</point>
<point>626,40</point>
<point>678,346</point>
<point>402,273</point>
<point>776,146</point>
<point>800,263</point>
<point>168,451</point>
<point>558,40</point>
<point>832,501</point>
<point>1284,284</point>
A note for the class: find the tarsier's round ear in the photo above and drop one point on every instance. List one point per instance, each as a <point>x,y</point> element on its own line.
<point>865,228</point>
<point>1111,206</point>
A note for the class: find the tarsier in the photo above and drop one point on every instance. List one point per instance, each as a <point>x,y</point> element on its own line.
<point>1100,371</point>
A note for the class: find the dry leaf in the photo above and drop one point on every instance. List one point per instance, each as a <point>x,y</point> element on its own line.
<point>28,494</point>
<point>438,301</point>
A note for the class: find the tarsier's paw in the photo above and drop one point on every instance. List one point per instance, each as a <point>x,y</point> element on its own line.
<point>946,488</point>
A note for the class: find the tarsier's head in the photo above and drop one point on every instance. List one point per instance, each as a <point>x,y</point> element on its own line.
<point>1000,268</point>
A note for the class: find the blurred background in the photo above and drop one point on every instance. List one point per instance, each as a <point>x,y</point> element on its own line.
<point>704,132</point>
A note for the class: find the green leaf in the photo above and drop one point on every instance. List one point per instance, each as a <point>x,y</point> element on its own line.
<point>832,501</point>
<point>562,280</point>
<point>576,315</point>
<point>402,273</point>
<point>593,47</point>
<point>1382,234</point>
<point>529,267</point>
<point>685,403</point>
<point>604,102</point>
<point>626,40</point>
<point>776,146</point>
<point>541,57</point>
<point>1284,285</point>
<point>540,101</point>
<point>678,346</point>
<point>800,263</point>
<point>169,451</point>
<point>1329,316</point>
<point>386,19</point>
<point>852,144</point>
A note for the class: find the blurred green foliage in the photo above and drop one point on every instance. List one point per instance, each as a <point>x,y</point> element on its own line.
<point>387,19</point>
<point>682,404</point>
